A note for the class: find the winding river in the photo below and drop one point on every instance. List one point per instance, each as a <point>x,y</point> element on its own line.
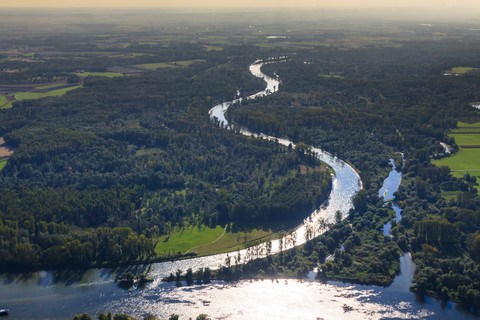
<point>60,295</point>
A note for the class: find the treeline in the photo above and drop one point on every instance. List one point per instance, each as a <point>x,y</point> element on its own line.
<point>123,316</point>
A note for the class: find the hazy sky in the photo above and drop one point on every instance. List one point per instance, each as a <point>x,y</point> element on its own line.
<point>240,3</point>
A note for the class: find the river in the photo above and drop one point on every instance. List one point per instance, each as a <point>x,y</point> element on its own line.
<point>60,295</point>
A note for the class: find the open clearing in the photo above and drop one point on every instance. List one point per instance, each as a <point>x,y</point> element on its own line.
<point>466,159</point>
<point>206,240</point>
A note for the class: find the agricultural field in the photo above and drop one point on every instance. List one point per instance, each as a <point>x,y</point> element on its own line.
<point>460,70</point>
<point>99,74</point>
<point>467,137</point>
<point>2,164</point>
<point>39,95</point>
<point>159,65</point>
<point>154,66</point>
<point>213,48</point>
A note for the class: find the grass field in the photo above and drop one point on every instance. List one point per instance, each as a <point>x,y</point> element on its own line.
<point>38,95</point>
<point>460,70</point>
<point>466,159</point>
<point>2,164</point>
<point>206,240</point>
<point>99,74</point>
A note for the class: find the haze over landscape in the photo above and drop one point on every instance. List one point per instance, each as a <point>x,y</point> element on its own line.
<point>208,159</point>
<point>247,3</point>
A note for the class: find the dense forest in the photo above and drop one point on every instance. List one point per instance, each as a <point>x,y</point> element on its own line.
<point>101,172</point>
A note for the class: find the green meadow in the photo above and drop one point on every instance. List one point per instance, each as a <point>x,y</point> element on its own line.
<point>206,240</point>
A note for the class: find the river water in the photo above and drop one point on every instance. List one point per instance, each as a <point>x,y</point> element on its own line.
<point>60,295</point>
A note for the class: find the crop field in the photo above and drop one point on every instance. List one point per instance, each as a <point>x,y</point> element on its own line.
<point>99,74</point>
<point>466,159</point>
<point>159,65</point>
<point>38,95</point>
<point>51,86</point>
<point>460,70</point>
<point>2,164</point>
<point>154,66</point>
<point>213,48</point>
<point>206,240</point>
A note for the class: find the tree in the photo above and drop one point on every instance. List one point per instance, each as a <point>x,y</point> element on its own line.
<point>84,316</point>
<point>360,201</point>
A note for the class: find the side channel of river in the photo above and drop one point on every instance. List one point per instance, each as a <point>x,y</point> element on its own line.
<point>60,295</point>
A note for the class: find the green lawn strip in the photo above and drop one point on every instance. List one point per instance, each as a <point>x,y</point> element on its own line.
<point>99,74</point>
<point>38,95</point>
<point>2,164</point>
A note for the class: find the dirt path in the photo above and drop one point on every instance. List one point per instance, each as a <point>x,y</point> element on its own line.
<point>5,150</point>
